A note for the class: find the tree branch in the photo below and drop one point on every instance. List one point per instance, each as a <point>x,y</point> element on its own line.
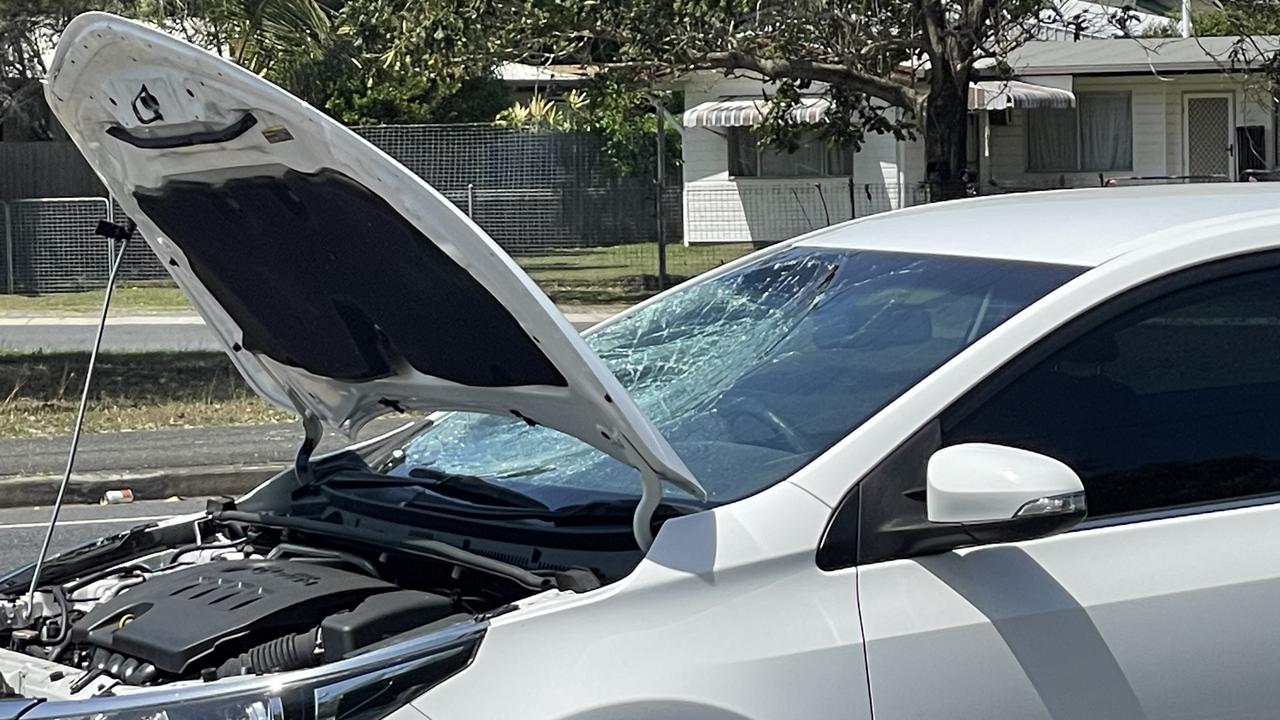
<point>894,93</point>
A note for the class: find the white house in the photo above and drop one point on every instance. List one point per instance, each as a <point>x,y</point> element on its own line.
<point>737,191</point>
<point>1143,110</point>
<point>1083,113</point>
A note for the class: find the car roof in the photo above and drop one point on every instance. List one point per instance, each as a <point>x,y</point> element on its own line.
<point>1070,227</point>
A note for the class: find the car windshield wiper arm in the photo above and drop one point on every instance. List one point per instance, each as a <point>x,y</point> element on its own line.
<point>432,548</point>
<point>596,512</point>
<point>467,488</point>
<point>484,499</point>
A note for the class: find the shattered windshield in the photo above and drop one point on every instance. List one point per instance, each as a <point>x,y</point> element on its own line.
<point>752,374</point>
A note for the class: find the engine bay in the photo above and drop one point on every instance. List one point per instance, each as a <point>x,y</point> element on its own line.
<point>212,599</point>
<point>223,619</point>
<point>298,575</point>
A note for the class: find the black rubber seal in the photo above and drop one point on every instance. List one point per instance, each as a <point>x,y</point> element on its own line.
<point>204,137</point>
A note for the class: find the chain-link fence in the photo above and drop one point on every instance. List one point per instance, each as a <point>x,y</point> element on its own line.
<point>553,200</point>
<point>50,245</point>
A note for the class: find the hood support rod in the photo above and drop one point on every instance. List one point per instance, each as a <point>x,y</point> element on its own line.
<point>112,232</point>
<point>312,430</point>
<point>650,499</point>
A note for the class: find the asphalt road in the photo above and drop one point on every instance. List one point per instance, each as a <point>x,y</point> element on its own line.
<point>187,447</point>
<point>122,451</point>
<point>56,335</point>
<point>22,529</point>
<point>117,338</point>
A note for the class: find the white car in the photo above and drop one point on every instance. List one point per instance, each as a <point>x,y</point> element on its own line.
<point>1009,457</point>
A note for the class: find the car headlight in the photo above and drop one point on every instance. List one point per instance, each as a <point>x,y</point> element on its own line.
<point>365,687</point>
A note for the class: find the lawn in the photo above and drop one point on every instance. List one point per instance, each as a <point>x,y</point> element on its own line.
<point>142,298</point>
<point>620,273</point>
<point>598,275</point>
<point>131,391</point>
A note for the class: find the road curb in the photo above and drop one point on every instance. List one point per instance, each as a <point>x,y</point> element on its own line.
<point>28,490</point>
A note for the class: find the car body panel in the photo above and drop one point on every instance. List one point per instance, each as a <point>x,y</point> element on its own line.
<point>1161,619</point>
<point>774,636</point>
<point>1085,227</point>
<point>728,616</point>
<point>293,159</point>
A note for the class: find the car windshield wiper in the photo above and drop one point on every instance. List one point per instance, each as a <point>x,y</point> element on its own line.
<point>467,488</point>
<point>488,500</point>
<point>474,489</point>
<point>594,513</point>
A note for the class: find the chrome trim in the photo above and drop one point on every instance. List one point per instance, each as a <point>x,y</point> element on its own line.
<point>1053,505</point>
<point>327,697</point>
<point>1141,516</point>
<point>384,658</point>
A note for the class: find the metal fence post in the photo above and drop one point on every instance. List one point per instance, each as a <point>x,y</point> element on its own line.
<point>659,207</point>
<point>8,250</point>
<point>471,200</point>
<point>108,212</point>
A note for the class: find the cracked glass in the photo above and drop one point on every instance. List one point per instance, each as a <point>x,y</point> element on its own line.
<point>751,374</point>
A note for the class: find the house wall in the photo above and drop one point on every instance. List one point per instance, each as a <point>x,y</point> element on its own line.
<point>1157,131</point>
<point>720,208</point>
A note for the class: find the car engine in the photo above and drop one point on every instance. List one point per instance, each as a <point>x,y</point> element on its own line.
<point>246,616</point>
<point>209,600</point>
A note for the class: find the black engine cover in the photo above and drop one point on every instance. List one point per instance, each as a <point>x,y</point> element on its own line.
<point>177,619</point>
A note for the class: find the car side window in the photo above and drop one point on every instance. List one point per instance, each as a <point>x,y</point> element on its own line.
<point>1173,403</point>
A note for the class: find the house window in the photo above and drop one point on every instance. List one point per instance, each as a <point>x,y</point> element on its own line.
<point>815,157</point>
<point>1096,135</point>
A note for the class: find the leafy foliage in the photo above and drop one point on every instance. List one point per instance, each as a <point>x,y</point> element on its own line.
<point>622,115</point>
<point>888,66</point>
<point>336,54</point>
<point>28,28</point>
<point>1230,17</point>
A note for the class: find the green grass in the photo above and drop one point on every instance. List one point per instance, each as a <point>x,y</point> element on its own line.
<point>598,275</point>
<point>620,273</point>
<point>131,391</point>
<point>142,298</point>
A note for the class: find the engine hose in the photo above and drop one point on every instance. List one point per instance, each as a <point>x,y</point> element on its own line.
<point>184,549</point>
<point>91,578</point>
<point>291,652</point>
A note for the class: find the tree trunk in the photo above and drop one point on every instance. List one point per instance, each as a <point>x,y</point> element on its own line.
<point>946,117</point>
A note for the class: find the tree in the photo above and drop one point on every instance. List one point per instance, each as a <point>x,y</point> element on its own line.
<point>28,30</point>
<point>1227,18</point>
<point>332,53</point>
<point>350,74</point>
<point>887,66</point>
<point>619,115</point>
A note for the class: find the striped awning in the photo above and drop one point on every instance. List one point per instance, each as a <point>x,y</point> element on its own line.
<point>984,95</point>
<point>748,111</point>
<point>1003,94</point>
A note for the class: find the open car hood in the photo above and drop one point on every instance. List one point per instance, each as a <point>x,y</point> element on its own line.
<point>343,286</point>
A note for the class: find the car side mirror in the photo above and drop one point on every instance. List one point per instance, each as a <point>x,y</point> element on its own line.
<point>980,484</point>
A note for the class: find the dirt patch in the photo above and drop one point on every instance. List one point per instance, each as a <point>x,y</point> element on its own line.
<point>131,391</point>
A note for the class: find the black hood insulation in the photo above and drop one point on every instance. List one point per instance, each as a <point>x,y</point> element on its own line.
<point>322,274</point>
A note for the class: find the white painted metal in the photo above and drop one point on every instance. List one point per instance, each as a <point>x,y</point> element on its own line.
<point>977,482</point>
<point>993,633</point>
<point>1160,620</point>
<point>101,63</point>
<point>728,616</point>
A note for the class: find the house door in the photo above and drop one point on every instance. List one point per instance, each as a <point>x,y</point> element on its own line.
<point>1206,134</point>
